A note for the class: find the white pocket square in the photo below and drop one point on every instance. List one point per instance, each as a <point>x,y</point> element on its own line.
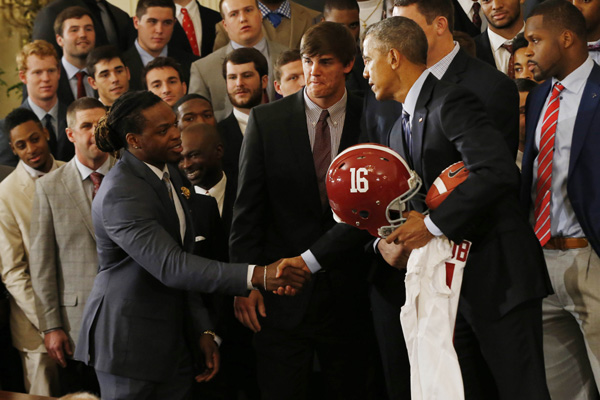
<point>199,238</point>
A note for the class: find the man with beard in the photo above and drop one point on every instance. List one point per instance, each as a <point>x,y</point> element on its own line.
<point>246,74</point>
<point>505,21</point>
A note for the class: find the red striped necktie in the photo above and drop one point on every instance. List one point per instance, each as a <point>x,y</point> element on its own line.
<point>543,191</point>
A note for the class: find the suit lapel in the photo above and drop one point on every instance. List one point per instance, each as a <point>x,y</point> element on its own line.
<point>351,122</point>
<point>300,146</point>
<point>71,179</point>
<point>585,115</point>
<point>180,189</point>
<point>418,122</point>
<point>64,89</point>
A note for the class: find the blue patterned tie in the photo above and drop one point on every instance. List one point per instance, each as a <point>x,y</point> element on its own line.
<point>275,18</point>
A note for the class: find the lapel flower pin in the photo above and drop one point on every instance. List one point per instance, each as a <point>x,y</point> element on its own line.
<point>185,192</point>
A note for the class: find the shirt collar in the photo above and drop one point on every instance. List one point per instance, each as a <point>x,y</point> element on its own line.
<point>410,103</point>
<point>240,116</point>
<point>34,173</point>
<point>41,113</point>
<point>85,172</point>
<point>336,111</point>
<point>147,57</point>
<point>284,10</point>
<point>70,69</point>
<point>158,172</point>
<point>439,68</point>
<point>496,41</point>
<point>577,79</point>
<point>216,191</point>
<point>191,7</point>
<point>260,46</point>
<point>597,42</point>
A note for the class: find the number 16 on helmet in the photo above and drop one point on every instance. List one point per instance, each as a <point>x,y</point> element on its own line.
<point>369,186</point>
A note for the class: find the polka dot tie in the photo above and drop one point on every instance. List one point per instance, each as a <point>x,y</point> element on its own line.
<point>188,27</point>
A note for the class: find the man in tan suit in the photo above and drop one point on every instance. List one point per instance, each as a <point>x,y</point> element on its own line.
<point>63,257</point>
<point>242,21</point>
<point>29,141</point>
<point>282,21</point>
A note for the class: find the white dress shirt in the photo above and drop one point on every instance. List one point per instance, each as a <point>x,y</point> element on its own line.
<point>501,55</point>
<point>85,172</point>
<point>34,173</point>
<point>242,119</point>
<point>217,191</point>
<point>337,115</point>
<point>563,221</point>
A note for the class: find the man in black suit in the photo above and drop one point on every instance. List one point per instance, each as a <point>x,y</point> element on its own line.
<point>468,17</point>
<point>112,25</point>
<point>449,63</point>
<point>494,45</point>
<point>39,70</point>
<point>281,209</point>
<point>498,329</point>
<point>246,74</point>
<point>202,23</point>
<point>155,21</point>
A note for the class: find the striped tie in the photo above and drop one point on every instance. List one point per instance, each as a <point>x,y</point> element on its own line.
<point>544,174</point>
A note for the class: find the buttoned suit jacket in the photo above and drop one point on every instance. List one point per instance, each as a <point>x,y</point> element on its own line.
<point>148,283</point>
<point>278,212</point>
<point>43,26</point>
<point>302,19</point>
<point>133,61</point>
<point>16,197</point>
<point>232,138</point>
<point>505,266</point>
<point>483,48</point>
<point>206,78</point>
<point>494,89</point>
<point>63,257</point>
<point>583,178</point>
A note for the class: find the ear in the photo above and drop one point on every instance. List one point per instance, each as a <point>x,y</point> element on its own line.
<point>136,22</point>
<point>184,88</point>
<point>60,40</point>
<point>132,140</point>
<point>277,87</point>
<point>92,83</point>
<point>220,151</point>
<point>69,132</point>
<point>567,38</point>
<point>394,58</point>
<point>23,77</point>
<point>128,75</point>
<point>264,82</point>
<point>441,25</point>
<point>348,67</point>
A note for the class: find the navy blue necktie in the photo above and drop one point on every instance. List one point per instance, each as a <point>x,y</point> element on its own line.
<point>275,18</point>
<point>407,134</point>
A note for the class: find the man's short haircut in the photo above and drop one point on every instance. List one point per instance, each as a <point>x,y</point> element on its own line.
<point>402,34</point>
<point>19,116</point>
<point>339,5</point>
<point>84,103</point>
<point>188,97</point>
<point>223,1</point>
<point>525,85</point>
<point>74,12</point>
<point>519,42</point>
<point>561,15</point>
<point>101,53</point>
<point>285,58</point>
<point>143,5</point>
<point>39,48</point>
<point>246,55</point>
<point>431,9</point>
<point>329,38</point>
<point>161,62</point>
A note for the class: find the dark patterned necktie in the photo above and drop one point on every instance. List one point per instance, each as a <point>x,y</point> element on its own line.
<point>476,17</point>
<point>52,142</point>
<point>322,153</point>
<point>511,61</point>
<point>96,178</point>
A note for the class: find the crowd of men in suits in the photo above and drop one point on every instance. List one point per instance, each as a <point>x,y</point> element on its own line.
<point>265,94</point>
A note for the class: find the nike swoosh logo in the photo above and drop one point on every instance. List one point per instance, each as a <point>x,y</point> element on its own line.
<point>452,174</point>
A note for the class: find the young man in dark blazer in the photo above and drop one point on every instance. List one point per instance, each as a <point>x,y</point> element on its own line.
<point>281,209</point>
<point>571,239</point>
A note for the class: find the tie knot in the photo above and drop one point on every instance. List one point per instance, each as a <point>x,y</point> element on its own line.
<point>405,116</point>
<point>558,87</point>
<point>184,11</point>
<point>96,178</point>
<point>324,115</point>
<point>476,6</point>
<point>80,75</point>
<point>508,46</point>
<point>48,119</point>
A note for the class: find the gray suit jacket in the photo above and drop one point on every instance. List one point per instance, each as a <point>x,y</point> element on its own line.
<point>141,304</point>
<point>206,78</point>
<point>63,257</point>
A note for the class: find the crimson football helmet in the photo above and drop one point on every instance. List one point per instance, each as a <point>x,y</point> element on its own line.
<point>369,186</point>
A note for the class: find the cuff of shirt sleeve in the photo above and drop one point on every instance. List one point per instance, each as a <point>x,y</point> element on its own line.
<point>218,340</point>
<point>375,243</point>
<point>431,227</point>
<point>249,277</point>
<point>311,261</point>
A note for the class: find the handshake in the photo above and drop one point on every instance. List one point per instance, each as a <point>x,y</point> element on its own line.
<point>284,277</point>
